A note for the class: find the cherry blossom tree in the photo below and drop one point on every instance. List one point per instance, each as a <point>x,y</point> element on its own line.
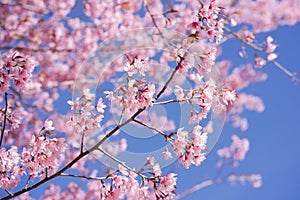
<point>117,66</point>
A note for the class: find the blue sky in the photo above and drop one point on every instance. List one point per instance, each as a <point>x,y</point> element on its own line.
<point>274,134</point>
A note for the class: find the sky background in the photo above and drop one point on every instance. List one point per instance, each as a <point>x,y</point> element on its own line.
<point>274,134</point>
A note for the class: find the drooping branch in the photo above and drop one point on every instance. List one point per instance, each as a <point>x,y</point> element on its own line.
<point>195,188</point>
<point>257,48</point>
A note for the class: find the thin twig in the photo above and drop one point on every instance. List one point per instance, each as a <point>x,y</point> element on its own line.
<point>8,192</point>
<point>171,77</point>
<point>195,188</point>
<point>152,128</point>
<point>169,101</point>
<point>4,118</point>
<point>122,163</point>
<point>82,142</point>
<point>247,43</point>
<point>35,50</point>
<point>287,72</point>
<point>85,177</point>
<point>255,47</point>
<point>153,21</point>
<point>21,98</point>
<point>121,117</point>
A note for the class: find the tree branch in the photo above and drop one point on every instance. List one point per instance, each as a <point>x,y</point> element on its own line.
<point>195,188</point>
<point>97,145</point>
<point>122,163</point>
<point>255,47</point>
<point>4,118</point>
<point>27,104</point>
<point>152,128</point>
<point>85,177</point>
<point>58,173</point>
<point>169,101</point>
<point>153,20</point>
<point>171,77</point>
<point>35,50</point>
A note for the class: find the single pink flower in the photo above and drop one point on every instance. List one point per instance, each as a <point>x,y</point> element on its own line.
<point>48,125</point>
<point>100,106</point>
<point>167,154</point>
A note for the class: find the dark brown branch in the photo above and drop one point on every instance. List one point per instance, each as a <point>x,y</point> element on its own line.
<point>85,177</point>
<point>4,118</point>
<point>35,50</point>
<point>153,20</point>
<point>47,178</point>
<point>171,77</point>
<point>152,128</point>
<point>97,145</point>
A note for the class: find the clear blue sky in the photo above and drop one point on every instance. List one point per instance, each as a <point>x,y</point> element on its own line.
<point>274,134</point>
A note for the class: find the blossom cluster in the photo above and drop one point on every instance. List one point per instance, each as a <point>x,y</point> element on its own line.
<point>204,97</point>
<point>43,156</point>
<point>10,167</point>
<point>254,179</point>
<point>237,150</point>
<point>240,78</point>
<point>87,116</point>
<point>17,68</point>
<point>263,15</point>
<point>209,21</point>
<point>119,185</point>
<point>137,66</point>
<point>40,158</point>
<point>133,93</point>
<point>190,147</point>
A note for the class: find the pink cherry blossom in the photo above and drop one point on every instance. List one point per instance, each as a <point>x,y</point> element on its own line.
<point>10,168</point>
<point>167,154</point>
<point>237,151</point>
<point>254,179</point>
<point>100,106</point>
<point>259,62</point>
<point>190,147</point>
<point>48,125</point>
<point>138,66</point>
<point>167,185</point>
<point>229,96</point>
